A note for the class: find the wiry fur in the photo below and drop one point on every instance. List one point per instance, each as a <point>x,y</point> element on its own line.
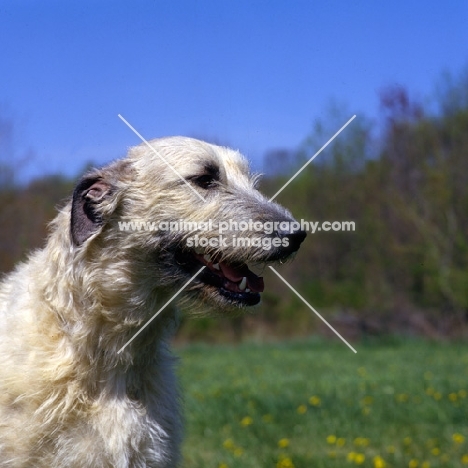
<point>68,399</point>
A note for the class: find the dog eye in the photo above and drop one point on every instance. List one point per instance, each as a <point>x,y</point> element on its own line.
<point>205,181</point>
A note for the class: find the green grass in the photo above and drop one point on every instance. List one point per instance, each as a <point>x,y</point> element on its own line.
<point>317,404</point>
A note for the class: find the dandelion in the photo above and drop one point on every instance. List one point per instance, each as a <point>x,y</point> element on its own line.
<point>458,438</point>
<point>267,418</point>
<point>223,465</point>
<point>285,462</point>
<point>453,397</point>
<point>314,400</point>
<point>246,421</point>
<point>301,409</point>
<point>413,463</point>
<point>430,391</point>
<point>228,444</point>
<point>425,464</point>
<point>407,441</point>
<point>435,451</point>
<point>331,439</point>
<point>283,443</point>
<point>437,396</point>
<point>340,441</point>
<point>238,451</point>
<point>361,442</point>
<point>464,459</point>
<point>391,449</point>
<point>359,459</point>
<point>379,462</point>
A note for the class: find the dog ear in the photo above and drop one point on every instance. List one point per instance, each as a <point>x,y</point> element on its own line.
<point>86,218</point>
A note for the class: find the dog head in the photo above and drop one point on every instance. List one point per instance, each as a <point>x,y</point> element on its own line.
<point>179,207</point>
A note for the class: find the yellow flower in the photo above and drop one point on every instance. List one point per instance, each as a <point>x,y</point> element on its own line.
<point>246,421</point>
<point>283,443</point>
<point>359,459</point>
<point>402,397</point>
<point>413,463</point>
<point>430,391</point>
<point>331,439</point>
<point>223,465</point>
<point>407,440</point>
<point>340,441</point>
<point>379,462</point>
<point>391,449</point>
<point>361,442</point>
<point>453,397</point>
<point>238,451</point>
<point>301,409</point>
<point>437,396</point>
<point>464,459</point>
<point>268,418</point>
<point>228,444</point>
<point>426,464</point>
<point>314,400</point>
<point>435,451</point>
<point>458,438</point>
<point>285,462</point>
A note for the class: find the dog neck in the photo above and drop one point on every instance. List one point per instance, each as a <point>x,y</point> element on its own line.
<point>99,322</point>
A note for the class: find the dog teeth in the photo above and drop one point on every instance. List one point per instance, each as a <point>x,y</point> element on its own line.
<point>198,250</point>
<point>243,284</point>
<point>207,258</point>
<point>216,266</point>
<point>247,290</point>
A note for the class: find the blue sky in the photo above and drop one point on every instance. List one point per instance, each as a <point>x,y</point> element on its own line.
<point>251,74</point>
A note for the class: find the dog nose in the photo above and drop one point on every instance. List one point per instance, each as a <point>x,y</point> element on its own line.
<point>295,238</point>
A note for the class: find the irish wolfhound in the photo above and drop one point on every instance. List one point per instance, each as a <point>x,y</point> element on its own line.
<point>73,393</point>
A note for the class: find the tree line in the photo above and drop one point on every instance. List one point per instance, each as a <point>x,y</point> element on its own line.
<point>402,179</point>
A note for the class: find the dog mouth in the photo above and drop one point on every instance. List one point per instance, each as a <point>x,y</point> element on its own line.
<point>233,280</point>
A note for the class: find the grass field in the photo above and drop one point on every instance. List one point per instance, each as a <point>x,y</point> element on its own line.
<point>316,404</point>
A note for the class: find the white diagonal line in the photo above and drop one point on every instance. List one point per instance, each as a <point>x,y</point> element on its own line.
<point>161,309</point>
<point>160,156</point>
<point>311,308</point>
<point>313,157</point>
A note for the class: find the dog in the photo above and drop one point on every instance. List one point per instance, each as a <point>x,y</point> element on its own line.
<point>82,384</point>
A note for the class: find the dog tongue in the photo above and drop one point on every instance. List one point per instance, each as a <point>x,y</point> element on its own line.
<point>236,273</point>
